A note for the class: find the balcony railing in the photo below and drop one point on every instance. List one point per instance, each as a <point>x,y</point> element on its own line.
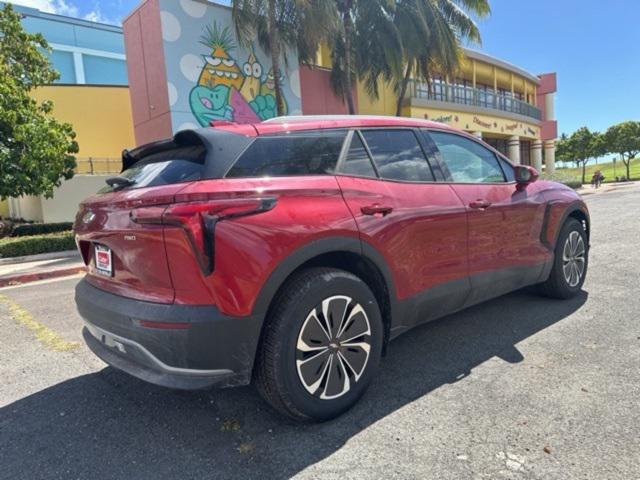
<point>477,97</point>
<point>98,166</point>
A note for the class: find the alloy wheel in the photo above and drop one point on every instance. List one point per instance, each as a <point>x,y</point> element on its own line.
<point>333,347</point>
<point>573,258</point>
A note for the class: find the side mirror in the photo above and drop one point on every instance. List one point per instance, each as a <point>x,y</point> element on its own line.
<point>525,175</point>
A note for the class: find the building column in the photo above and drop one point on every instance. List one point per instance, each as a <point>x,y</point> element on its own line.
<point>477,135</point>
<point>550,155</point>
<point>536,155</point>
<point>513,147</point>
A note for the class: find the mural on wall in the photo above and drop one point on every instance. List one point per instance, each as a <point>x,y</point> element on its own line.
<point>223,80</point>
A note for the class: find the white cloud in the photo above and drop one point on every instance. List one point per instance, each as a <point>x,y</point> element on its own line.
<point>63,7</point>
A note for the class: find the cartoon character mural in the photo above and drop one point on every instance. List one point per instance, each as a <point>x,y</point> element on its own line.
<point>224,91</point>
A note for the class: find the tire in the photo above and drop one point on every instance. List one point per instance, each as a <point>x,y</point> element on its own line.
<point>571,259</point>
<point>306,373</point>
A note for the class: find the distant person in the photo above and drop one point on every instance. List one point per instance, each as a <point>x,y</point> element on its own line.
<point>597,178</point>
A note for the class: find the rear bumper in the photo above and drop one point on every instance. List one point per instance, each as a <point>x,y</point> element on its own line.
<point>212,349</point>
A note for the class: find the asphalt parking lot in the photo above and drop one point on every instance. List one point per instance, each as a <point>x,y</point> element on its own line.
<point>519,387</point>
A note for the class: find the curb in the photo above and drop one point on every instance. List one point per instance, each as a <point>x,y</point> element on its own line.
<point>40,256</point>
<point>21,278</point>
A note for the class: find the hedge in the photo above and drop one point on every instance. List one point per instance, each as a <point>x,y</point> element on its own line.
<point>29,229</point>
<point>563,177</point>
<point>53,242</point>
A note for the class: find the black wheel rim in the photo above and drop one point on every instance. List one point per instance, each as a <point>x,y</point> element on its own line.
<point>333,347</point>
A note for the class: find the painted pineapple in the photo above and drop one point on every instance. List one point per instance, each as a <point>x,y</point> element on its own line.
<point>220,68</point>
<point>252,74</point>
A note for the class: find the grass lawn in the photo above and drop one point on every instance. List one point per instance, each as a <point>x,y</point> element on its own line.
<point>606,169</point>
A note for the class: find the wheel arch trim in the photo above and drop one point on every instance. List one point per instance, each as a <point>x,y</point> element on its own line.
<point>547,227</point>
<point>314,249</point>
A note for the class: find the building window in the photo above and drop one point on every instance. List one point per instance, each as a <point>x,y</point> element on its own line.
<point>63,63</point>
<point>104,71</point>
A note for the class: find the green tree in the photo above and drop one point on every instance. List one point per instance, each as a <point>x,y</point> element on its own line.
<point>35,149</point>
<point>368,47</point>
<point>580,147</point>
<point>278,25</point>
<point>431,31</point>
<point>624,139</point>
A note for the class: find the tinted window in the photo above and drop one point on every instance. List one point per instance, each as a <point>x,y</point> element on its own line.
<point>182,164</point>
<point>311,153</point>
<point>357,161</point>
<point>398,155</point>
<point>466,160</point>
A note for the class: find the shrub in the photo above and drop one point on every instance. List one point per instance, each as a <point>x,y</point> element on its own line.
<point>568,179</point>
<point>53,242</point>
<point>29,229</point>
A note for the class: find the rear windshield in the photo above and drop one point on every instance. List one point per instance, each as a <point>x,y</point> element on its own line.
<point>308,153</point>
<point>177,165</point>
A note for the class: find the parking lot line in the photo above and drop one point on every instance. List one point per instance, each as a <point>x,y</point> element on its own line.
<point>47,337</point>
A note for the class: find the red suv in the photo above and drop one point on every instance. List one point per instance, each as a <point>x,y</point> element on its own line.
<point>291,251</point>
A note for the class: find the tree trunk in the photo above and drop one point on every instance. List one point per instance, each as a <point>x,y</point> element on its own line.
<point>274,43</point>
<point>584,171</point>
<point>627,164</point>
<point>403,88</point>
<point>347,25</point>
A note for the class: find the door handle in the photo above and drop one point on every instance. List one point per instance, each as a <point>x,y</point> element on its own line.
<point>480,204</point>
<point>376,209</point>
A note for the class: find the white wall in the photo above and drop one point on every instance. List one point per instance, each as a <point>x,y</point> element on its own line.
<point>64,204</point>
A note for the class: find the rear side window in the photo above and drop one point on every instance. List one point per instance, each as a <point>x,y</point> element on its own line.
<point>176,165</point>
<point>467,160</point>
<point>397,155</point>
<point>357,161</point>
<point>309,153</point>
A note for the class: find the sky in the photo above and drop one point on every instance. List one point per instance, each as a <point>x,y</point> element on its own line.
<point>593,47</point>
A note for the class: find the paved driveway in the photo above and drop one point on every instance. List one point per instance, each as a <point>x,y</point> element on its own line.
<point>519,387</point>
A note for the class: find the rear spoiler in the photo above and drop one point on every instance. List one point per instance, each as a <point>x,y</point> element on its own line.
<point>224,145</point>
<point>180,139</point>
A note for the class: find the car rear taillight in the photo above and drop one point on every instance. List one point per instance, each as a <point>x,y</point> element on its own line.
<point>198,219</point>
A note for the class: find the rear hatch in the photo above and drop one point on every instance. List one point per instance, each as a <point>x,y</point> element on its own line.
<point>124,255</point>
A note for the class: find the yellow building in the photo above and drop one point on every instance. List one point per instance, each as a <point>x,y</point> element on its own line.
<point>93,96</point>
<point>509,108</point>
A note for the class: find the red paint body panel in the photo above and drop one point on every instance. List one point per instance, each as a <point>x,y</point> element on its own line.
<point>140,266</point>
<point>248,249</point>
<point>423,239</point>
<point>507,233</point>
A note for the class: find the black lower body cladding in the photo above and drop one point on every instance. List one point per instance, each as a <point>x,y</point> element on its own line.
<point>212,349</point>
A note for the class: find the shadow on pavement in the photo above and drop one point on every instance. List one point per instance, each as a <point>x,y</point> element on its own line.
<point>110,425</point>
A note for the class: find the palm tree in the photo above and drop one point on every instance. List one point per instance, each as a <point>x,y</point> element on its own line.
<point>278,25</point>
<point>431,32</point>
<point>364,44</point>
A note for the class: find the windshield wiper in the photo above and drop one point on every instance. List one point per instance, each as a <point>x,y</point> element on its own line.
<point>119,182</point>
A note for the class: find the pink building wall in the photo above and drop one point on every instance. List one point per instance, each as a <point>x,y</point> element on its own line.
<point>147,77</point>
<point>317,96</point>
<point>548,85</point>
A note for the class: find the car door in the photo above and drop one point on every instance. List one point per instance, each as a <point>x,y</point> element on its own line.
<point>417,224</point>
<point>505,221</point>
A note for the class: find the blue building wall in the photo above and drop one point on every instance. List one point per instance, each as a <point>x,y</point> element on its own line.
<point>83,52</point>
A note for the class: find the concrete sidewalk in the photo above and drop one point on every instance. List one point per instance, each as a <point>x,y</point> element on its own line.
<point>606,187</point>
<point>15,273</point>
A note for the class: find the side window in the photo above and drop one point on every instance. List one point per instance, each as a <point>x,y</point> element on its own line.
<point>397,155</point>
<point>357,161</point>
<point>507,168</point>
<point>308,153</point>
<point>466,160</point>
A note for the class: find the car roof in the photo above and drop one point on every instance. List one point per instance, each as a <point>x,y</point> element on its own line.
<point>315,122</point>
